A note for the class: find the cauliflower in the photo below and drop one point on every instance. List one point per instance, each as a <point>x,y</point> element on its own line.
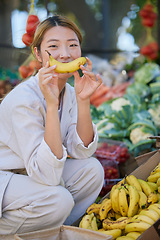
<point>155,113</point>
<point>137,135</point>
<point>118,103</point>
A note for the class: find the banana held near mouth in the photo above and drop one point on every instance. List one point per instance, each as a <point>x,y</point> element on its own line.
<point>66,67</point>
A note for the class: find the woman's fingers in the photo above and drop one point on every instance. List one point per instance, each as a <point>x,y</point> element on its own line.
<point>88,67</point>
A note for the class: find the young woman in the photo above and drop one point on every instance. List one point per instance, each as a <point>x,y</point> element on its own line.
<point>41,121</point>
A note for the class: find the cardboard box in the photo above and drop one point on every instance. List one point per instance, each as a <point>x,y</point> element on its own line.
<point>146,164</point>
<point>63,233</point>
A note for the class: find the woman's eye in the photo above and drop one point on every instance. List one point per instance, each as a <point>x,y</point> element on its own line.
<point>53,46</point>
<point>73,45</point>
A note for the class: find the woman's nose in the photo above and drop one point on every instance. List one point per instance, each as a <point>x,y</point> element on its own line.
<point>64,53</point>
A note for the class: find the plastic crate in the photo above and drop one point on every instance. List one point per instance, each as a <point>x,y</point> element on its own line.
<point>112,150</point>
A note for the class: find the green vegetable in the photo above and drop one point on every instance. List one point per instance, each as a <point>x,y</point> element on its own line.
<point>146,73</point>
<point>155,87</point>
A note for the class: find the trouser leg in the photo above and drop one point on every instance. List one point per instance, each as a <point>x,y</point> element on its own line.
<point>29,206</point>
<point>84,179</point>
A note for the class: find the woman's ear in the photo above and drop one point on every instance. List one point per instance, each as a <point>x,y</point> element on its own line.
<point>37,54</point>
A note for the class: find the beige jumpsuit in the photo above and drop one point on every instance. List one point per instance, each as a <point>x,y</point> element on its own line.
<point>54,191</point>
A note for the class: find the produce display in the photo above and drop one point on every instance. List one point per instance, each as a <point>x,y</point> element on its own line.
<point>132,207</point>
<point>113,152</point>
<point>134,117</point>
<point>111,155</point>
<point>8,80</point>
<point>29,66</point>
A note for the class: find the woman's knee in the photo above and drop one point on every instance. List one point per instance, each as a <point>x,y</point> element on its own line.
<point>65,204</point>
<point>97,170</point>
<point>51,210</point>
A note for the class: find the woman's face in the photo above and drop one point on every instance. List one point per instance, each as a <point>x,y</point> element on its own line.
<point>62,43</point>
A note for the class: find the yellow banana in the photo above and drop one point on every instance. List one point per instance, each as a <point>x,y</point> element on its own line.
<point>133,202</point>
<point>152,198</point>
<point>155,207</point>
<point>123,202</point>
<point>117,216</point>
<point>112,190</point>
<point>115,200</point>
<point>158,189</point>
<point>93,208</point>
<point>132,180</point>
<point>158,182</point>
<point>137,227</point>
<point>156,169</point>
<point>114,232</point>
<point>104,209</point>
<point>153,186</point>
<point>94,226</point>
<point>142,218</point>
<point>145,187</point>
<point>150,213</point>
<point>154,177</point>
<point>68,67</point>
<point>158,196</point>
<point>86,221</point>
<point>142,200</point>
<point>125,238</point>
<point>135,235</point>
<point>118,224</point>
<point>111,215</point>
<point>119,184</point>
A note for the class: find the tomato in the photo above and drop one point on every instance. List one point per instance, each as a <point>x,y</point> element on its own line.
<point>154,46</point>
<point>146,50</point>
<point>148,22</point>
<point>30,72</point>
<point>27,39</point>
<point>32,18</point>
<point>153,56</point>
<point>31,27</point>
<point>24,70</point>
<point>148,7</point>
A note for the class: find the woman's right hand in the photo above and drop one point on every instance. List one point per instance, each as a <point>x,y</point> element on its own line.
<point>48,83</point>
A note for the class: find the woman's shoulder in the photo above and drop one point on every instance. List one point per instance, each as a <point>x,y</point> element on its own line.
<point>25,92</point>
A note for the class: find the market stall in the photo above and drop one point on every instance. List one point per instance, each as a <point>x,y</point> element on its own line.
<point>126,111</point>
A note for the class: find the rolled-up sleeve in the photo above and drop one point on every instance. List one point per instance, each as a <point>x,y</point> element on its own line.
<point>27,140</point>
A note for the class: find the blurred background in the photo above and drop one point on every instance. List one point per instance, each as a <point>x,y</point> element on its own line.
<point>108,26</point>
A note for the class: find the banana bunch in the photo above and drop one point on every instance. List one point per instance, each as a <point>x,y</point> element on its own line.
<point>132,207</point>
<point>68,67</point>
<point>89,221</point>
<point>142,221</point>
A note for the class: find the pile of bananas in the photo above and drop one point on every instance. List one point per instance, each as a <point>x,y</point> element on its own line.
<point>133,206</point>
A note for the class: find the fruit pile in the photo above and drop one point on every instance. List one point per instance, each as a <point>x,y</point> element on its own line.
<point>118,153</point>
<point>110,156</point>
<point>27,69</point>
<point>133,206</point>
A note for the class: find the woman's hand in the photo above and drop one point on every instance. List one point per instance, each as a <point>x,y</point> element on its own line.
<point>88,83</point>
<point>48,83</point>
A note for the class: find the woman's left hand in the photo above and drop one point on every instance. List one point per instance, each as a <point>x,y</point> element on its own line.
<point>86,85</point>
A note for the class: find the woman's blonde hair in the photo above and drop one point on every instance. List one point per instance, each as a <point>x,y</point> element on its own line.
<point>56,20</point>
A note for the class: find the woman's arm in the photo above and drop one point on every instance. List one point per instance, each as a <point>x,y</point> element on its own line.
<point>48,83</point>
<point>84,122</point>
<point>84,88</point>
